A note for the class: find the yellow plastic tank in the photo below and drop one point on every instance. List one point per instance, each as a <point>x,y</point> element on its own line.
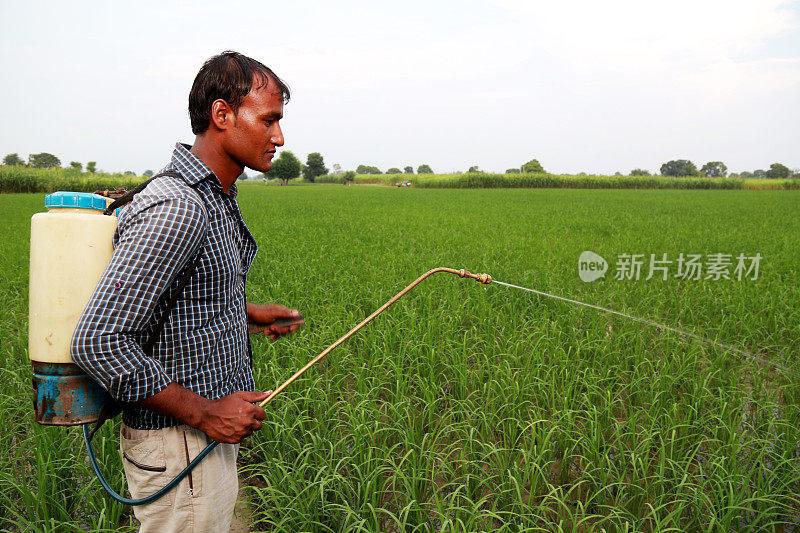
<point>70,248</point>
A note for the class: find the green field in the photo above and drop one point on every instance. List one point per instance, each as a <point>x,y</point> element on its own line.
<point>471,408</point>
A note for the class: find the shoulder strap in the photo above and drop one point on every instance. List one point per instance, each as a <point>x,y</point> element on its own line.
<point>187,275</point>
<point>128,196</point>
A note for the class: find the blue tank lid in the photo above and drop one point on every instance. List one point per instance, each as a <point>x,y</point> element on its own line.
<point>82,200</point>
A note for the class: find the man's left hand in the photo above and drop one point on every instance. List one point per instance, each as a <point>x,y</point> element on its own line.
<point>262,318</point>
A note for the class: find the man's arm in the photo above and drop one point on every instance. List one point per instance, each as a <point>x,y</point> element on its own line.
<point>153,243</point>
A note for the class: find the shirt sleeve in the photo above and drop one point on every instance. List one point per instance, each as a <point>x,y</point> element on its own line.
<point>152,244</point>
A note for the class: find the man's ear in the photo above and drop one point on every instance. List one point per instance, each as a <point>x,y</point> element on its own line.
<point>221,114</point>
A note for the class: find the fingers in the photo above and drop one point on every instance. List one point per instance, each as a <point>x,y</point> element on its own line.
<point>252,396</point>
<point>280,330</point>
<point>265,314</point>
<point>274,331</point>
<point>281,311</point>
<point>273,320</point>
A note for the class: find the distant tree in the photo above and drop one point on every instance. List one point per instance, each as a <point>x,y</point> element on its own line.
<point>715,169</point>
<point>778,172</point>
<point>512,171</point>
<point>795,173</point>
<point>679,167</point>
<point>618,173</point>
<point>424,169</point>
<point>473,169</point>
<point>337,168</point>
<point>43,160</point>
<point>640,172</point>
<point>13,160</point>
<point>91,167</point>
<point>746,174</point>
<point>394,170</point>
<point>130,173</point>
<point>349,175</point>
<point>408,170</point>
<point>532,166</point>
<point>286,167</point>
<point>760,174</point>
<point>75,165</point>
<point>148,173</point>
<point>366,169</point>
<point>243,176</point>
<point>315,166</point>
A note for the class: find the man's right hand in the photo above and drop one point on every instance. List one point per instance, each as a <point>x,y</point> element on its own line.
<point>233,417</point>
<point>229,419</point>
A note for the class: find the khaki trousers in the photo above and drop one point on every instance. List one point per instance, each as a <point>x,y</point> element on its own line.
<point>203,501</point>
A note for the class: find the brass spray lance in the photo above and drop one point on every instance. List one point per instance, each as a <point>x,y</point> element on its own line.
<point>482,278</point>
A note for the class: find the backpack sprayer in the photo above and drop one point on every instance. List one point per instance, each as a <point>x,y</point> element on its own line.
<point>70,247</point>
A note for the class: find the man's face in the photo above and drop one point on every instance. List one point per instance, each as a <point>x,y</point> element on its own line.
<point>256,131</point>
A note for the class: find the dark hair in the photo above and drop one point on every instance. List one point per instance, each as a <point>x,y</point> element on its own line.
<point>228,76</point>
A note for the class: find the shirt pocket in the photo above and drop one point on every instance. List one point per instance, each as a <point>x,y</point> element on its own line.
<point>145,462</point>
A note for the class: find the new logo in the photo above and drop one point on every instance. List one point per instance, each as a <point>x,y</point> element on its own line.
<point>591,266</point>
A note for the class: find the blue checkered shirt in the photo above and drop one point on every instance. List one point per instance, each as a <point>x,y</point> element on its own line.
<point>204,345</point>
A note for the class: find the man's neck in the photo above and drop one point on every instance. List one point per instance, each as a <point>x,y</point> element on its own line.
<point>226,169</point>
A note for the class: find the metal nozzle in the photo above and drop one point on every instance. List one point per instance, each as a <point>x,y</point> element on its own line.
<point>482,278</point>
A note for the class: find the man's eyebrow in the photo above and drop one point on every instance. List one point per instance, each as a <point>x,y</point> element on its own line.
<point>273,115</point>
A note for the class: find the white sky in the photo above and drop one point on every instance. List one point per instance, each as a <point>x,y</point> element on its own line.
<point>592,86</point>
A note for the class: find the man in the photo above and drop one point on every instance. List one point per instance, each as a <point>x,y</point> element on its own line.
<point>197,383</point>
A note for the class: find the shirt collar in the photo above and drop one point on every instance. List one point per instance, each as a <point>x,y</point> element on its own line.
<point>189,165</point>
<point>194,170</point>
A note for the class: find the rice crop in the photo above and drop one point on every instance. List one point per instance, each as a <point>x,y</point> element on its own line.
<point>467,407</point>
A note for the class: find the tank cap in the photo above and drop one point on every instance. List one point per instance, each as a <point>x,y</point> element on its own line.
<point>82,200</point>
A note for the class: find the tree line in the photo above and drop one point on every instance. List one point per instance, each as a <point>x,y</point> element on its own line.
<point>287,167</point>
<point>718,169</point>
<point>47,160</point>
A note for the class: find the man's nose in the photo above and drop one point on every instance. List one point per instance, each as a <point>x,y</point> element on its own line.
<point>277,137</point>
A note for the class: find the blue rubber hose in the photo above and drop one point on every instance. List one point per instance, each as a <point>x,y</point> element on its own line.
<point>153,497</point>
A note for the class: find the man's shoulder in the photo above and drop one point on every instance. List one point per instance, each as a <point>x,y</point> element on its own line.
<point>169,194</point>
<point>171,187</point>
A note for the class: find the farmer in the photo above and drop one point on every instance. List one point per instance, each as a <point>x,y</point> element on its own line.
<point>197,383</point>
